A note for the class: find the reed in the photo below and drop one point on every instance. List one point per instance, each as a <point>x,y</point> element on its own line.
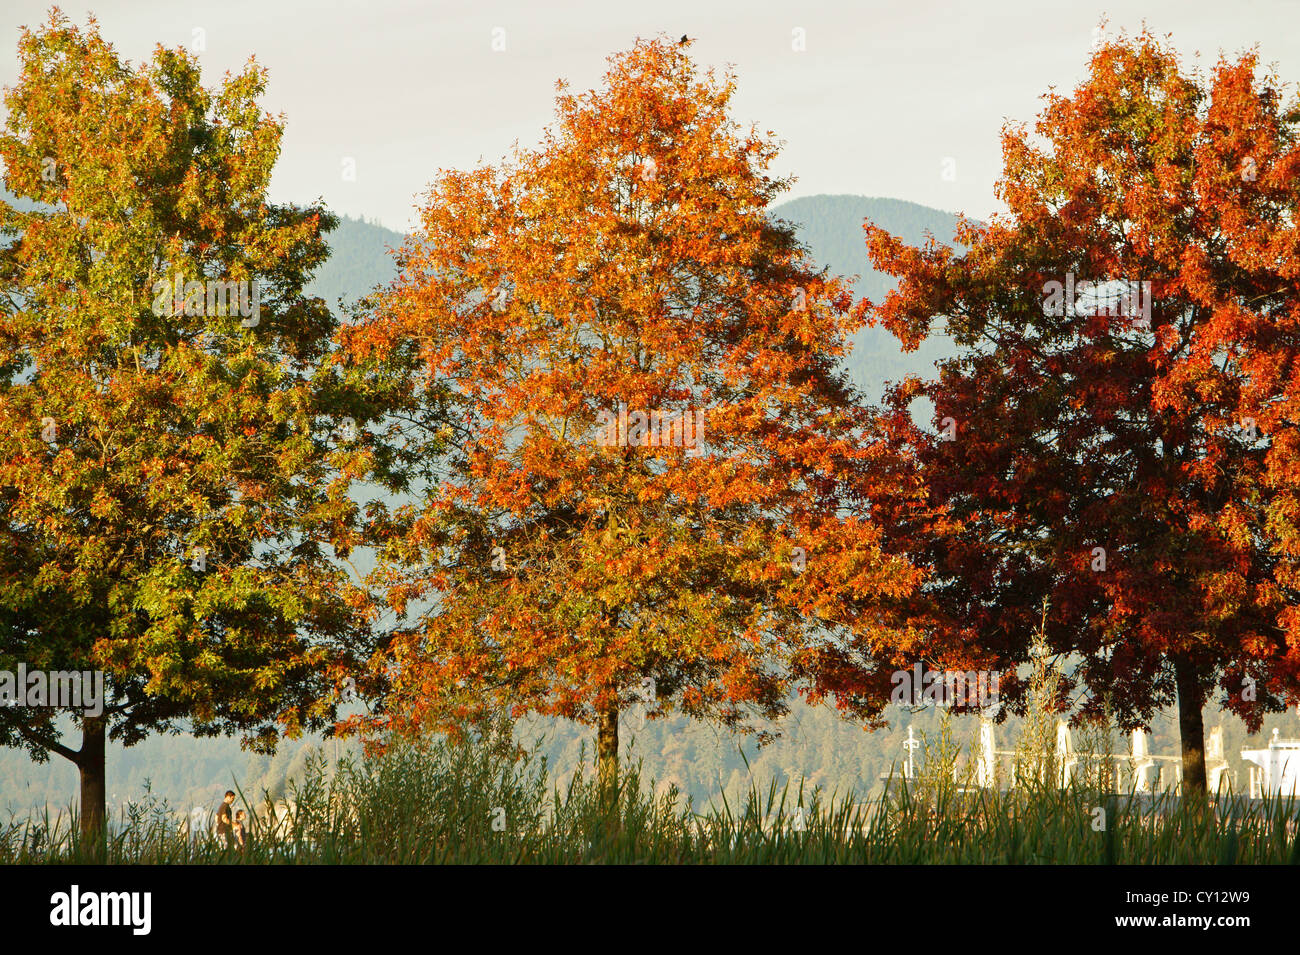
<point>484,801</point>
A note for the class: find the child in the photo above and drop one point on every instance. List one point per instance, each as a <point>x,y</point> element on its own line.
<point>241,831</point>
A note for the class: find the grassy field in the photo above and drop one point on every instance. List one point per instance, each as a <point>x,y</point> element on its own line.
<point>479,802</point>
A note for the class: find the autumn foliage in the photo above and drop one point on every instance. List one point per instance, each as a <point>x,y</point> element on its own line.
<point>605,397</point>
<point>568,557</point>
<point>171,490</point>
<point>1132,459</point>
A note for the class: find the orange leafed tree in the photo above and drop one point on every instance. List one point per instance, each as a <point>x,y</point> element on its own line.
<point>647,478</point>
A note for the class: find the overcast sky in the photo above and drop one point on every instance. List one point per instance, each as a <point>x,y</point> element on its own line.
<point>881,97</point>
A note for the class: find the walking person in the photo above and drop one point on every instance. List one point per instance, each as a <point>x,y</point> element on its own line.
<point>225,822</point>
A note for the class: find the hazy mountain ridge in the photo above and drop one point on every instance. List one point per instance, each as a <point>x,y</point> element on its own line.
<point>359,261</point>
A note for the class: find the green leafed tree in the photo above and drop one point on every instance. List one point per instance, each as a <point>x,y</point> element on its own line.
<point>174,460</point>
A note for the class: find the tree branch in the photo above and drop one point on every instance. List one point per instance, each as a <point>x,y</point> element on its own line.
<point>59,748</point>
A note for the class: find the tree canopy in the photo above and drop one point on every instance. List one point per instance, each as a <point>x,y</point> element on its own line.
<point>652,478</point>
<point>1119,430</point>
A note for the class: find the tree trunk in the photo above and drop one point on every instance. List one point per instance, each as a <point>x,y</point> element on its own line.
<point>1191,729</point>
<point>607,748</point>
<point>90,763</point>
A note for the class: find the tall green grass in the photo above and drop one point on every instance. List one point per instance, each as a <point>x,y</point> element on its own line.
<point>484,802</point>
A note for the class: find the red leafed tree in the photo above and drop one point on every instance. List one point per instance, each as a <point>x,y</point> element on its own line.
<point>646,477</point>
<point>1127,452</point>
